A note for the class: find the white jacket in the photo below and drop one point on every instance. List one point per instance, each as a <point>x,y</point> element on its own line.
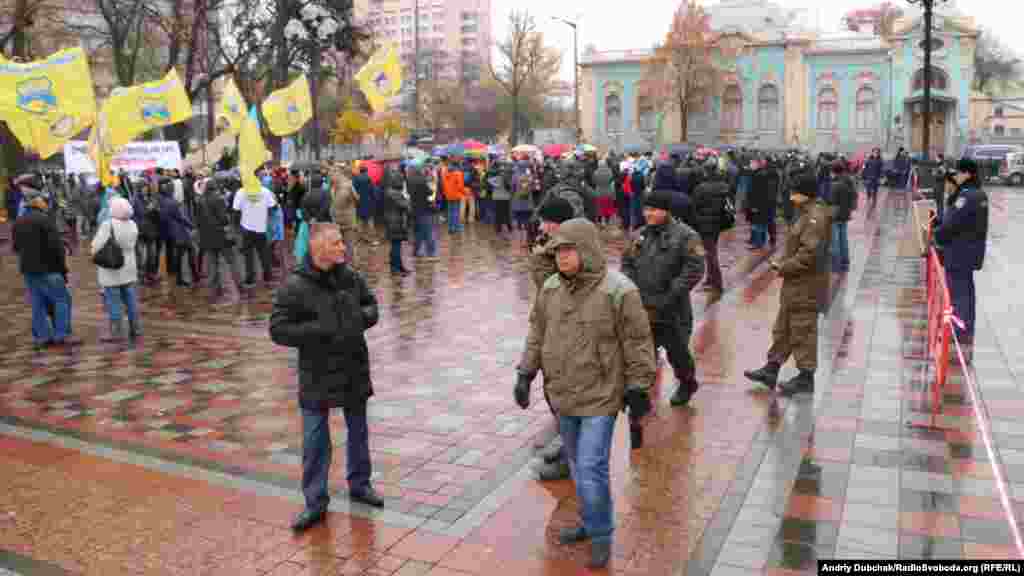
<point>126,233</point>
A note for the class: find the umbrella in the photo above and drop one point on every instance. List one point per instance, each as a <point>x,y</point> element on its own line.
<point>439,151</point>
<point>474,145</point>
<point>456,149</point>
<point>496,150</point>
<point>526,149</point>
<point>584,148</point>
<point>554,150</point>
<point>476,153</point>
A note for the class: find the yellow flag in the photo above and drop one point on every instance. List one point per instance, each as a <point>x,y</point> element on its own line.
<point>251,154</point>
<point>288,109</point>
<point>131,112</point>
<point>48,102</point>
<point>232,107</point>
<point>381,77</point>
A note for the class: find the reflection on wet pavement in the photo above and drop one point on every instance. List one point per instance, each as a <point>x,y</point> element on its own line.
<point>181,455</point>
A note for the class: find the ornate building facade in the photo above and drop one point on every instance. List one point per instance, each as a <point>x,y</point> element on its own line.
<point>788,87</point>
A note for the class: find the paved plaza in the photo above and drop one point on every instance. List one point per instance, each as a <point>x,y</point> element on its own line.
<point>182,455</point>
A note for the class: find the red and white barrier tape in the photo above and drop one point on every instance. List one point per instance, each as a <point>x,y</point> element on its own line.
<point>952,320</point>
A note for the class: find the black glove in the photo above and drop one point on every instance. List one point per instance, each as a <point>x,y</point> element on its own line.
<point>639,403</point>
<point>522,390</point>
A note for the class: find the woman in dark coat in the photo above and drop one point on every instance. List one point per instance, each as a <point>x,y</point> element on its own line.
<point>394,210</point>
<point>212,221</point>
<point>176,229</point>
<point>764,186</point>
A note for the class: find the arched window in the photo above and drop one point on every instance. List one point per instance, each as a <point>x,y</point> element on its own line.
<point>646,120</point>
<point>939,79</point>
<point>828,109</point>
<point>613,113</point>
<point>732,109</point>
<point>1000,130</point>
<point>768,107</point>
<point>866,118</point>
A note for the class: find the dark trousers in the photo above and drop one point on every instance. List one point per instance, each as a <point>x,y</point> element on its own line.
<point>714,271</point>
<point>675,339</point>
<point>181,252</point>
<point>212,258</point>
<point>961,290</point>
<point>317,453</point>
<point>396,256</point>
<point>253,242</point>
<point>503,214</point>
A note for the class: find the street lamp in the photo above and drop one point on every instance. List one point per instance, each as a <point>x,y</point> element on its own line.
<point>314,27</point>
<point>926,137</point>
<point>575,71</point>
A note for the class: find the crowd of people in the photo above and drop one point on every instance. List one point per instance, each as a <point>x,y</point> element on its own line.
<point>594,331</point>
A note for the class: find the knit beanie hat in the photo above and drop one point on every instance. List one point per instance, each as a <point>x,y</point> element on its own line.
<point>556,210</point>
<point>661,199</point>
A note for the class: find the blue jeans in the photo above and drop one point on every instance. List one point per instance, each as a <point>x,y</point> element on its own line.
<point>454,216</point>
<point>486,210</point>
<point>588,443</point>
<point>47,290</point>
<point>840,248</point>
<point>424,230</point>
<point>114,297</point>
<point>317,451</point>
<point>759,235</point>
<point>396,255</point>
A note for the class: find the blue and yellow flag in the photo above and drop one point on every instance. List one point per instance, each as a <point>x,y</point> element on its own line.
<point>131,112</point>
<point>252,154</point>
<point>380,78</point>
<point>48,102</point>
<point>288,109</point>
<point>232,107</point>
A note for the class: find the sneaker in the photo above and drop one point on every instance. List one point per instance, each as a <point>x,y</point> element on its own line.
<point>555,471</point>
<point>572,535</point>
<point>767,375</point>
<point>802,383</point>
<point>600,554</point>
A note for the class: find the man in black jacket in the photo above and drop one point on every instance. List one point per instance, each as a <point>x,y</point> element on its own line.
<point>323,309</point>
<point>844,197</point>
<point>666,260</point>
<point>41,260</point>
<point>709,204</point>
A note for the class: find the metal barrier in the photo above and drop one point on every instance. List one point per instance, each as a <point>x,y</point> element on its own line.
<point>940,311</point>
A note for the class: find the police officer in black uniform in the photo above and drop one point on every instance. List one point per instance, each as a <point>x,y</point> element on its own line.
<point>666,260</point>
<point>961,237</point>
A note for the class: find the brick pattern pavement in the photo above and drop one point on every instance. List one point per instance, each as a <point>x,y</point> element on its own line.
<point>180,457</point>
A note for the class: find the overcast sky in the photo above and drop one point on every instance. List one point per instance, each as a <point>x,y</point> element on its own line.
<point>642,23</point>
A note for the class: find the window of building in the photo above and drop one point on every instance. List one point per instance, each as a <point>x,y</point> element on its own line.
<point>866,118</point>
<point>468,41</point>
<point>613,113</point>
<point>468,16</point>
<point>768,107</point>
<point>999,111</point>
<point>1000,130</point>
<point>646,118</point>
<point>732,109</point>
<point>828,109</point>
<point>438,28</point>
<point>939,79</point>
<point>469,28</point>
<point>1016,131</point>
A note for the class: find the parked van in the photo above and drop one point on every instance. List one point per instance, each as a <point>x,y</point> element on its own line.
<point>1012,169</point>
<point>992,151</point>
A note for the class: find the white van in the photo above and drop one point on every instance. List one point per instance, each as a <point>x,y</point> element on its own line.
<point>1011,171</point>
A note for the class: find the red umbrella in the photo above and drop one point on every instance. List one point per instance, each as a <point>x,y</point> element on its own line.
<point>555,150</point>
<point>473,145</point>
<point>374,170</point>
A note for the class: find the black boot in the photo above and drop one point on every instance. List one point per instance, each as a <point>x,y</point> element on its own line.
<point>684,393</point>
<point>802,383</point>
<point>768,375</point>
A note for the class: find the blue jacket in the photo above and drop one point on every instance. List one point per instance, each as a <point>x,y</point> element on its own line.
<point>873,169</point>
<point>174,225</point>
<point>964,229</point>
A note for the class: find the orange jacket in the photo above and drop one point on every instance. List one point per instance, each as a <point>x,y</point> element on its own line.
<point>454,185</point>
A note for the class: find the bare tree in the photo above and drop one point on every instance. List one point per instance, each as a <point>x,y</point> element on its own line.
<point>527,66</point>
<point>880,19</point>
<point>682,75</point>
<point>995,64</point>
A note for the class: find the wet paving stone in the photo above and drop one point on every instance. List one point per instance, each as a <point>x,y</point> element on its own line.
<point>193,438</point>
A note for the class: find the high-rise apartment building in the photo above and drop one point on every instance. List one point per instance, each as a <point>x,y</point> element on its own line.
<point>454,40</point>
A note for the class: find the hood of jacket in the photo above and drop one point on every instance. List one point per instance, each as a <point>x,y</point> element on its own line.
<point>582,234</point>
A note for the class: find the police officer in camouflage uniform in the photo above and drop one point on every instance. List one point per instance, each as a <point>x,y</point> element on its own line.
<point>666,260</point>
<point>796,326</point>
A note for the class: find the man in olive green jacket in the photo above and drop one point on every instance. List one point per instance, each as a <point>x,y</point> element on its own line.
<point>590,335</point>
